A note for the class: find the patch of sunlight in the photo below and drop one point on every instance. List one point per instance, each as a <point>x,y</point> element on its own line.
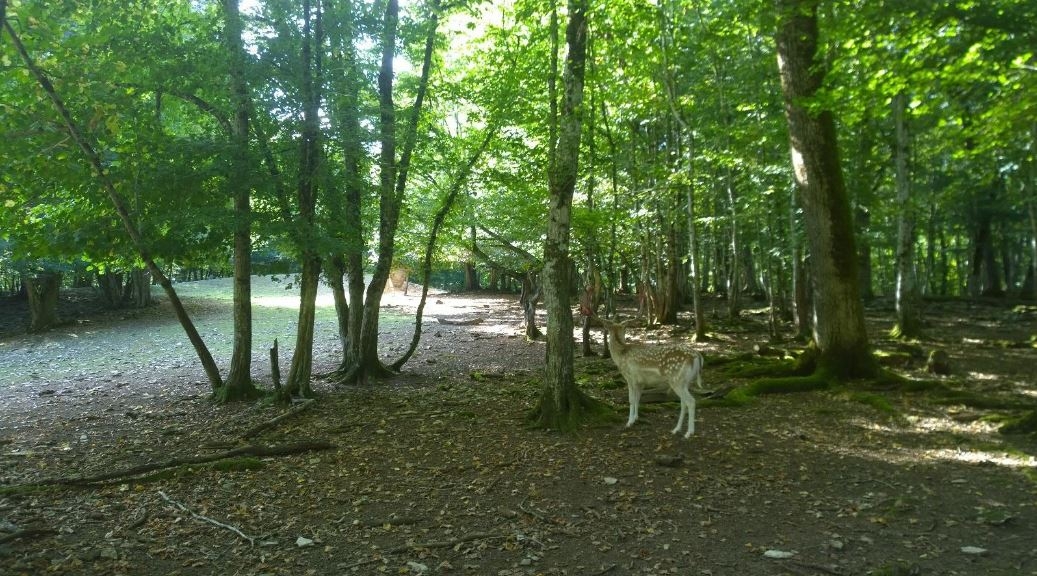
<point>982,376</point>
<point>979,456</point>
<point>931,424</point>
<point>923,424</point>
<point>497,329</point>
<point>1027,392</point>
<point>291,301</point>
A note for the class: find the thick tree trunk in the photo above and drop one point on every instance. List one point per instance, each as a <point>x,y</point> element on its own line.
<point>471,274</point>
<point>909,323</point>
<point>43,289</point>
<point>140,288</point>
<point>561,403</point>
<point>110,283</point>
<point>839,330</point>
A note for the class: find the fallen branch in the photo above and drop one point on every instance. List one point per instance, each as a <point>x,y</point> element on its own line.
<point>25,534</point>
<point>251,540</point>
<point>255,430</point>
<point>255,451</point>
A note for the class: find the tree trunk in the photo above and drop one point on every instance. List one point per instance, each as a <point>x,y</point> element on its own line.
<point>238,384</point>
<point>392,184</point>
<point>43,289</point>
<point>839,330</point>
<point>430,247</point>
<point>528,298</point>
<point>110,283</point>
<point>909,323</point>
<point>471,274</point>
<point>298,381</point>
<point>347,210</point>
<point>1033,248</point>
<point>140,288</point>
<point>562,405</point>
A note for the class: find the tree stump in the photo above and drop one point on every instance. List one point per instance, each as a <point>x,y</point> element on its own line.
<point>939,362</point>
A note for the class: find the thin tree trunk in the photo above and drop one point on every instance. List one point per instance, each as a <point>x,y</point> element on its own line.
<point>437,224</point>
<point>839,331</point>
<point>121,210</point>
<point>908,316</point>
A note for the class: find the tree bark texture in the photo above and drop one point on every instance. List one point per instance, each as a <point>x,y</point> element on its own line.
<point>839,329</point>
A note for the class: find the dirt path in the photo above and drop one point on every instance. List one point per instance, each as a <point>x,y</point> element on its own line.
<point>434,473</point>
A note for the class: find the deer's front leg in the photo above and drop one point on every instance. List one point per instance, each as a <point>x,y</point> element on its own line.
<point>634,397</point>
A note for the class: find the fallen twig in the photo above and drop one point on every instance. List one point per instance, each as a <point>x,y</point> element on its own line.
<point>251,540</point>
<point>255,430</point>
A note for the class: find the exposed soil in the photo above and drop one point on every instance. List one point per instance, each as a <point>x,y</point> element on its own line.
<point>433,472</point>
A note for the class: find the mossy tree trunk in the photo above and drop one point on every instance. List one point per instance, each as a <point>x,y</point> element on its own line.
<point>562,405</point>
<point>839,328</point>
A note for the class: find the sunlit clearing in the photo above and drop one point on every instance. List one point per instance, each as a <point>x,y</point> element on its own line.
<point>325,299</point>
<point>982,376</point>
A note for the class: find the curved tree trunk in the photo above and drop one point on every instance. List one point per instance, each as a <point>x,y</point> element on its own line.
<point>437,224</point>
<point>121,209</point>
<point>839,330</point>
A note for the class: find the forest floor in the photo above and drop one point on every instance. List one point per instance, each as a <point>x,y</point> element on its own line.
<point>434,472</point>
